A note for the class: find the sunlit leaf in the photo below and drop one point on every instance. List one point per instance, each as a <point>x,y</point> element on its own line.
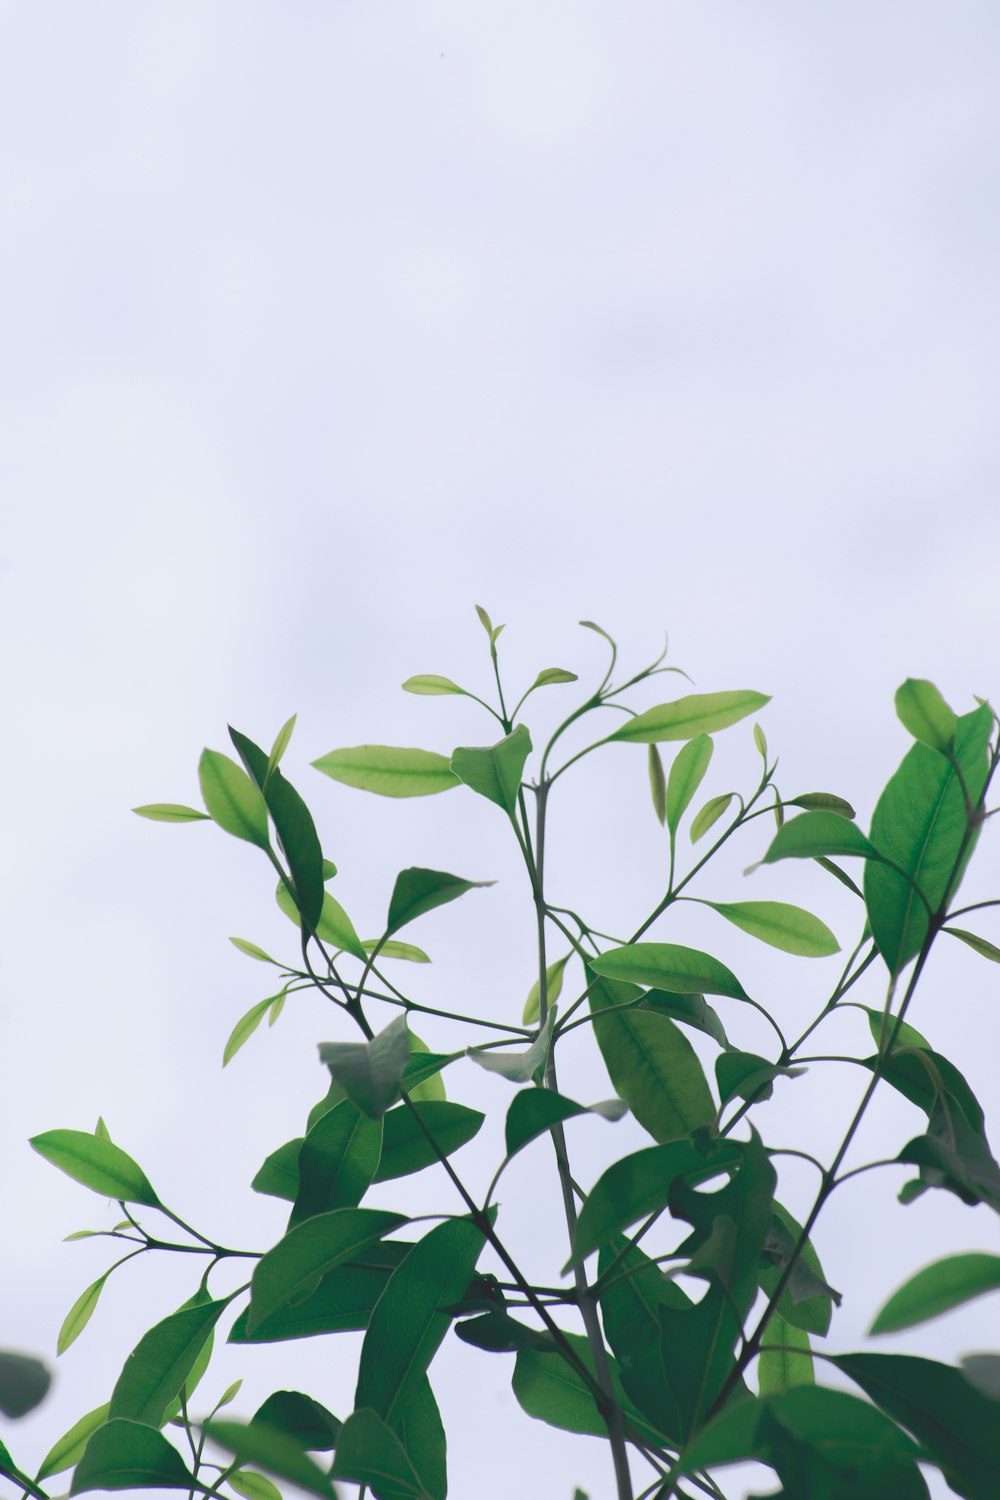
<point>69,1448</point>
<point>389,770</point>
<point>171,812</point>
<point>495,771</point>
<point>99,1165</point>
<point>232,799</point>
<point>710,814</point>
<point>252,951</point>
<point>699,713</point>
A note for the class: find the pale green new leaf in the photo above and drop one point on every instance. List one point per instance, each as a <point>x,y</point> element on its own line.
<point>550,675</point>
<point>252,951</point>
<point>553,988</point>
<point>698,713</point>
<point>69,1448</point>
<point>171,812</point>
<point>80,1314</point>
<point>253,1486</point>
<point>924,713</point>
<point>977,944</point>
<point>390,771</point>
<point>709,814</point>
<point>686,775</point>
<point>782,926</point>
<point>281,742</point>
<point>245,1028</point>
<point>334,926</point>
<point>429,685</point>
<point>657,783</point>
<point>97,1164</point>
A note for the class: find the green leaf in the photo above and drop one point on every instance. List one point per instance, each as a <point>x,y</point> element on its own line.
<point>638,1185</point>
<point>279,1173</point>
<point>782,926</point>
<point>405,1146</point>
<point>709,814</point>
<point>952,1420</point>
<point>368,1452</point>
<point>80,1314</point>
<point>127,1455</point>
<point>245,1028</point>
<point>304,1419</point>
<point>272,1450</point>
<point>337,1162</point>
<point>281,742</point>
<point>430,1087</point>
<point>920,824</point>
<point>937,1289</point>
<point>686,775</point>
<point>429,685</point>
<point>293,824</point>
<point>518,1067</point>
<point>693,1010</point>
<point>232,800</point>
<point>392,948</point>
<point>277,1006</point>
<point>370,1072</point>
<point>807,1301</point>
<point>171,812</point>
<point>253,1486</point>
<point>310,1250</point>
<point>816,834</point>
<point>334,926</point>
<point>749,1076</point>
<point>924,713</point>
<point>252,951</point>
<point>533,1111</point>
<point>101,1130</point>
<point>925,1077</point>
<point>668,966</point>
<point>485,621</point>
<point>99,1165</point>
<point>495,771</point>
<point>418,891</point>
<point>407,1324</point>
<point>788,1361</point>
<point>552,1390</point>
<point>906,1035</point>
<point>821,802</point>
<point>69,1448</point>
<point>633,1289</point>
<point>553,989</point>
<point>498,1333</point>
<point>342,1302</point>
<point>24,1381</point>
<point>760,740</point>
<point>699,713</point>
<point>657,783</point>
<point>228,1395</point>
<point>389,771</point>
<point>162,1361</point>
<point>550,675</point>
<point>978,944</point>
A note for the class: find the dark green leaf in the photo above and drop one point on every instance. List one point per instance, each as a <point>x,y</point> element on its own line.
<point>69,1448</point>
<point>785,1357</point>
<point>983,1372</point>
<point>417,1423</point>
<point>368,1452</point>
<point>978,944</point>
<point>518,1067</point>
<point>498,1333</point>
<point>337,1162</point>
<point>906,1035</point>
<point>429,685</point>
<point>937,1289</point>
<point>814,834</point>
<point>80,1314</point>
<point>304,1419</point>
<point>920,824</point>
<point>405,1146</point>
<point>924,713</point>
<point>342,1302</point>
<point>709,814</point>
<point>422,1079</point>
<point>271,1449</point>
<point>786,927</point>
<point>293,823</point>
<point>495,771</point>
<point>686,775</point>
<point>749,1076</point>
<point>334,926</point>
<point>533,1111</point>
<point>699,713</point>
<point>98,1164</point>
<point>925,1077</point>
<point>370,1072</point>
<point>279,1175</point>
<point>162,1361</point>
<point>390,771</point>
<point>310,1250</point>
<point>232,799</point>
<point>418,891</point>
<point>693,1010</point>
<point>553,989</point>
<point>24,1381</point>
<point>668,966</point>
<point>807,1301</point>
<point>821,802</point>
<point>633,1291</point>
<point>126,1455</point>
<point>552,1390</point>
<point>657,783</point>
<point>956,1156</point>
<point>171,812</point>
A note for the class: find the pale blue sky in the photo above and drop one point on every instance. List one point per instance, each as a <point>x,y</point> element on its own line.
<point>322,322</point>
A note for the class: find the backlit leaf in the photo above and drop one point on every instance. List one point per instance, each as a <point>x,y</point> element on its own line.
<point>390,771</point>
<point>281,742</point>
<point>334,926</point>
<point>937,1289</point>
<point>709,815</point>
<point>418,891</point>
<point>686,775</point>
<point>336,1162</point>
<point>294,826</point>
<point>782,926</point>
<point>80,1314</point>
<point>813,834</point>
<point>668,966</point>
<point>312,1249</point>
<point>553,989</point>
<point>125,1455</point>
<point>253,1486</point>
<point>699,713</point>
<point>922,710</point>
<point>369,1452</point>
<point>252,951</point>
<point>405,1145</point>
<point>232,799</point>
<point>341,1303</point>
<point>69,1448</point>
<point>245,1028</point>
<point>821,802</point>
<point>692,1010</point>
<point>978,944</point>
<point>787,1361</point>
<point>171,812</point>
<point>391,948</point>
<point>162,1361</point>
<point>495,771</point>
<point>99,1165</point>
<point>429,685</point>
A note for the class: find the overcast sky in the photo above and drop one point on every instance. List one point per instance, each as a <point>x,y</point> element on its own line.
<point>322,322</point>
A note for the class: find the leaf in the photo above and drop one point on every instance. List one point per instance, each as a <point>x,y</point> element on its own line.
<point>952,1420</point>
<point>498,1333</point>
<point>816,834</point>
<point>533,1111</point>
<point>549,675</point>
<point>782,926</point>
<point>788,1362</point>
<point>337,1162</point>
<point>253,1486</point>
<point>922,711</point>
<point>368,1452</point>
<point>431,1086</point>
<point>391,948</point>
<point>669,966</point>
<point>389,771</point>
<point>418,891</point>
<point>406,1148</point>
<point>699,713</point>
<point>277,1006</point>
<point>692,1010</point>
<point>495,771</point>
<point>709,814</point>
<point>334,926</point>
<point>162,1361</point>
<point>807,1301</point>
<point>252,951</point>
<point>273,1450</point>
<point>429,685</point>
<point>125,1455</point>
<point>983,1372</point>
<point>937,1289</point>
<point>279,1174</point>
<point>69,1448</point>
<point>101,1130</point>
<point>293,824</point>
<point>304,1419</point>
<point>310,1250</point>
<point>407,1324</point>
<point>821,802</point>
<point>639,1184</point>
<point>553,989</point>
<point>686,775</point>
<point>370,1072</point>
<point>978,944</point>
<point>749,1076</point>
<point>552,1390</point>
<point>924,1077</point>
<point>245,1028</point>
<point>920,824</point>
<point>171,812</point>
<point>24,1381</point>
<point>954,1155</point>
<point>341,1303</point>
<point>281,742</point>
<point>485,621</point>
<point>232,800</point>
<point>99,1165</point>
<point>657,784</point>
<point>633,1289</point>
<point>906,1035</point>
<point>518,1067</point>
<point>760,740</point>
<point>80,1314</point>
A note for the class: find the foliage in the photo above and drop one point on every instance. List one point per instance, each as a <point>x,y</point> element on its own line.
<point>679,1385</point>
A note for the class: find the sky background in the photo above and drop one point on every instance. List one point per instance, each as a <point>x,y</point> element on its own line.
<point>322,323</point>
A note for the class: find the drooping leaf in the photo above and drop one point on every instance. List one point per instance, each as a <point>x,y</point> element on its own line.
<point>245,1028</point>
<point>693,1010</point>
<point>749,1076</point>
<point>686,775</point>
<point>68,1450</point>
<point>232,800</point>
<point>341,1303</point>
<point>162,1361</point>
<point>337,1161</point>
<point>294,825</point>
<point>418,891</point>
<point>125,1455</point>
<point>271,1449</point>
<point>99,1165</point>
<point>785,1357</point>
<point>252,951</point>
<point>977,944</point>
<point>389,770</point>
<point>24,1381</point>
<point>782,926</point>
<point>709,814</point>
<point>311,1250</point>
<point>80,1314</point>
<point>821,802</point>
<point>937,1289</point>
<point>920,823</point>
<point>430,685</point>
<point>533,1111</point>
<point>171,812</point>
<point>699,713</point>
<point>553,989</point>
<point>279,1174</point>
<point>495,771</point>
<point>816,834</point>
<point>953,1155</point>
<point>406,1147</point>
<point>668,966</point>
<point>906,1035</point>
<point>657,783</point>
<point>334,926</point>
<point>925,1077</point>
<point>808,1299</point>
<point>370,1072</point>
<point>922,711</point>
<point>369,1452</point>
<point>302,1417</point>
<point>518,1067</point>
